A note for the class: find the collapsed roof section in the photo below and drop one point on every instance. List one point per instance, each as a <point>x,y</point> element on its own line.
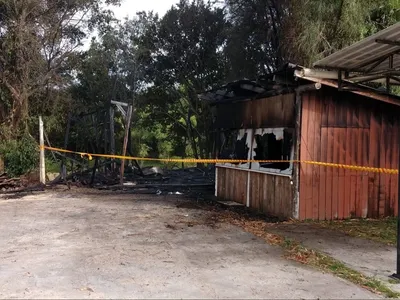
<point>240,89</point>
<point>264,86</point>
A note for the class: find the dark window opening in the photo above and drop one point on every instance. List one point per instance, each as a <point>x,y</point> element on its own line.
<point>232,148</point>
<point>269,148</point>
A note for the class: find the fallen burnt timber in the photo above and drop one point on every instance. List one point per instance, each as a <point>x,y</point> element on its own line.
<point>25,183</point>
<point>6,182</point>
<point>160,188</point>
<point>151,180</point>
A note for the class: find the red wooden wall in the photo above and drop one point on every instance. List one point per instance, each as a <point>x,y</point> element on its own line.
<point>345,128</point>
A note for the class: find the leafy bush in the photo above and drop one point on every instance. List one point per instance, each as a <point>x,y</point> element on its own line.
<point>20,156</point>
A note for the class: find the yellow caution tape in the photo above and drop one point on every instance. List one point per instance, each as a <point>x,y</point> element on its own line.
<point>222,161</point>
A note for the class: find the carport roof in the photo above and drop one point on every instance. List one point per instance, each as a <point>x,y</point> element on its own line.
<point>378,53</point>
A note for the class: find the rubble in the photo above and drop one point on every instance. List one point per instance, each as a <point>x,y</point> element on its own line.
<point>178,181</point>
<point>194,181</point>
<point>7,183</point>
<point>152,180</point>
<point>152,171</point>
<point>25,183</point>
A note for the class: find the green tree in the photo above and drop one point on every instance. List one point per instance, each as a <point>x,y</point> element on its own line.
<point>38,41</point>
<point>255,45</point>
<point>315,28</point>
<point>183,54</point>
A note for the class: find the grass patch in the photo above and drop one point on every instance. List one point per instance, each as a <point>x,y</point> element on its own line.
<point>297,252</point>
<point>52,166</point>
<point>381,230</point>
<point>393,281</point>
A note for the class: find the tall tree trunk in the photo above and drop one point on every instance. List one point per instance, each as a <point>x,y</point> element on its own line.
<point>19,112</point>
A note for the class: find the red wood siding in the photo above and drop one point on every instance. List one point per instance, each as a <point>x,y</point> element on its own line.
<point>345,128</point>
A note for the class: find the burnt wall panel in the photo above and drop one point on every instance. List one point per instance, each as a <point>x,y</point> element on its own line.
<point>232,115</point>
<point>272,112</point>
<point>278,111</point>
<point>343,128</point>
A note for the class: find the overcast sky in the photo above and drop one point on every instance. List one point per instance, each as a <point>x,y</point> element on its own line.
<point>129,8</point>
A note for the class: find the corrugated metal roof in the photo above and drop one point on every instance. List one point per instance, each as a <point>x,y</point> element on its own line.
<point>362,56</point>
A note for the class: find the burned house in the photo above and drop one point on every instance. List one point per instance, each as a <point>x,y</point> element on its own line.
<point>288,117</point>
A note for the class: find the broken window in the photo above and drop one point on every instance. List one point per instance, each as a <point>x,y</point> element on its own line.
<point>235,145</point>
<point>258,144</point>
<point>272,144</point>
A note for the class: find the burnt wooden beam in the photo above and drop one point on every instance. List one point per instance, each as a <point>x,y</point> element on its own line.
<point>119,103</point>
<point>125,145</point>
<point>105,135</point>
<point>161,185</point>
<point>112,137</point>
<point>66,138</point>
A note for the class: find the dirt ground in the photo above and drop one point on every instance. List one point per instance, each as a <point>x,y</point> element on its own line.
<point>70,244</point>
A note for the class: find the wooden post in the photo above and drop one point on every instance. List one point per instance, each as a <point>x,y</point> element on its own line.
<point>42,166</point>
<point>112,137</point>
<point>105,135</point>
<point>130,144</point>
<point>63,162</point>
<point>127,129</point>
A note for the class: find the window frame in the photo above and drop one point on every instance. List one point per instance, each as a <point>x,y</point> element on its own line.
<point>240,134</point>
<point>278,132</point>
<point>251,144</point>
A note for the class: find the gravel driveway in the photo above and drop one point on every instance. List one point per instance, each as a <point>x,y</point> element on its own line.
<point>77,244</point>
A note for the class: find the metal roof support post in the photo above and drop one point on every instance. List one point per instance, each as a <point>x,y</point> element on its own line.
<point>398,214</point>
<point>388,76</point>
<point>397,274</point>
<point>340,81</point>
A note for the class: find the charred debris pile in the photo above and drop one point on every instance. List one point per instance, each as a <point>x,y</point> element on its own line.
<point>148,180</point>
